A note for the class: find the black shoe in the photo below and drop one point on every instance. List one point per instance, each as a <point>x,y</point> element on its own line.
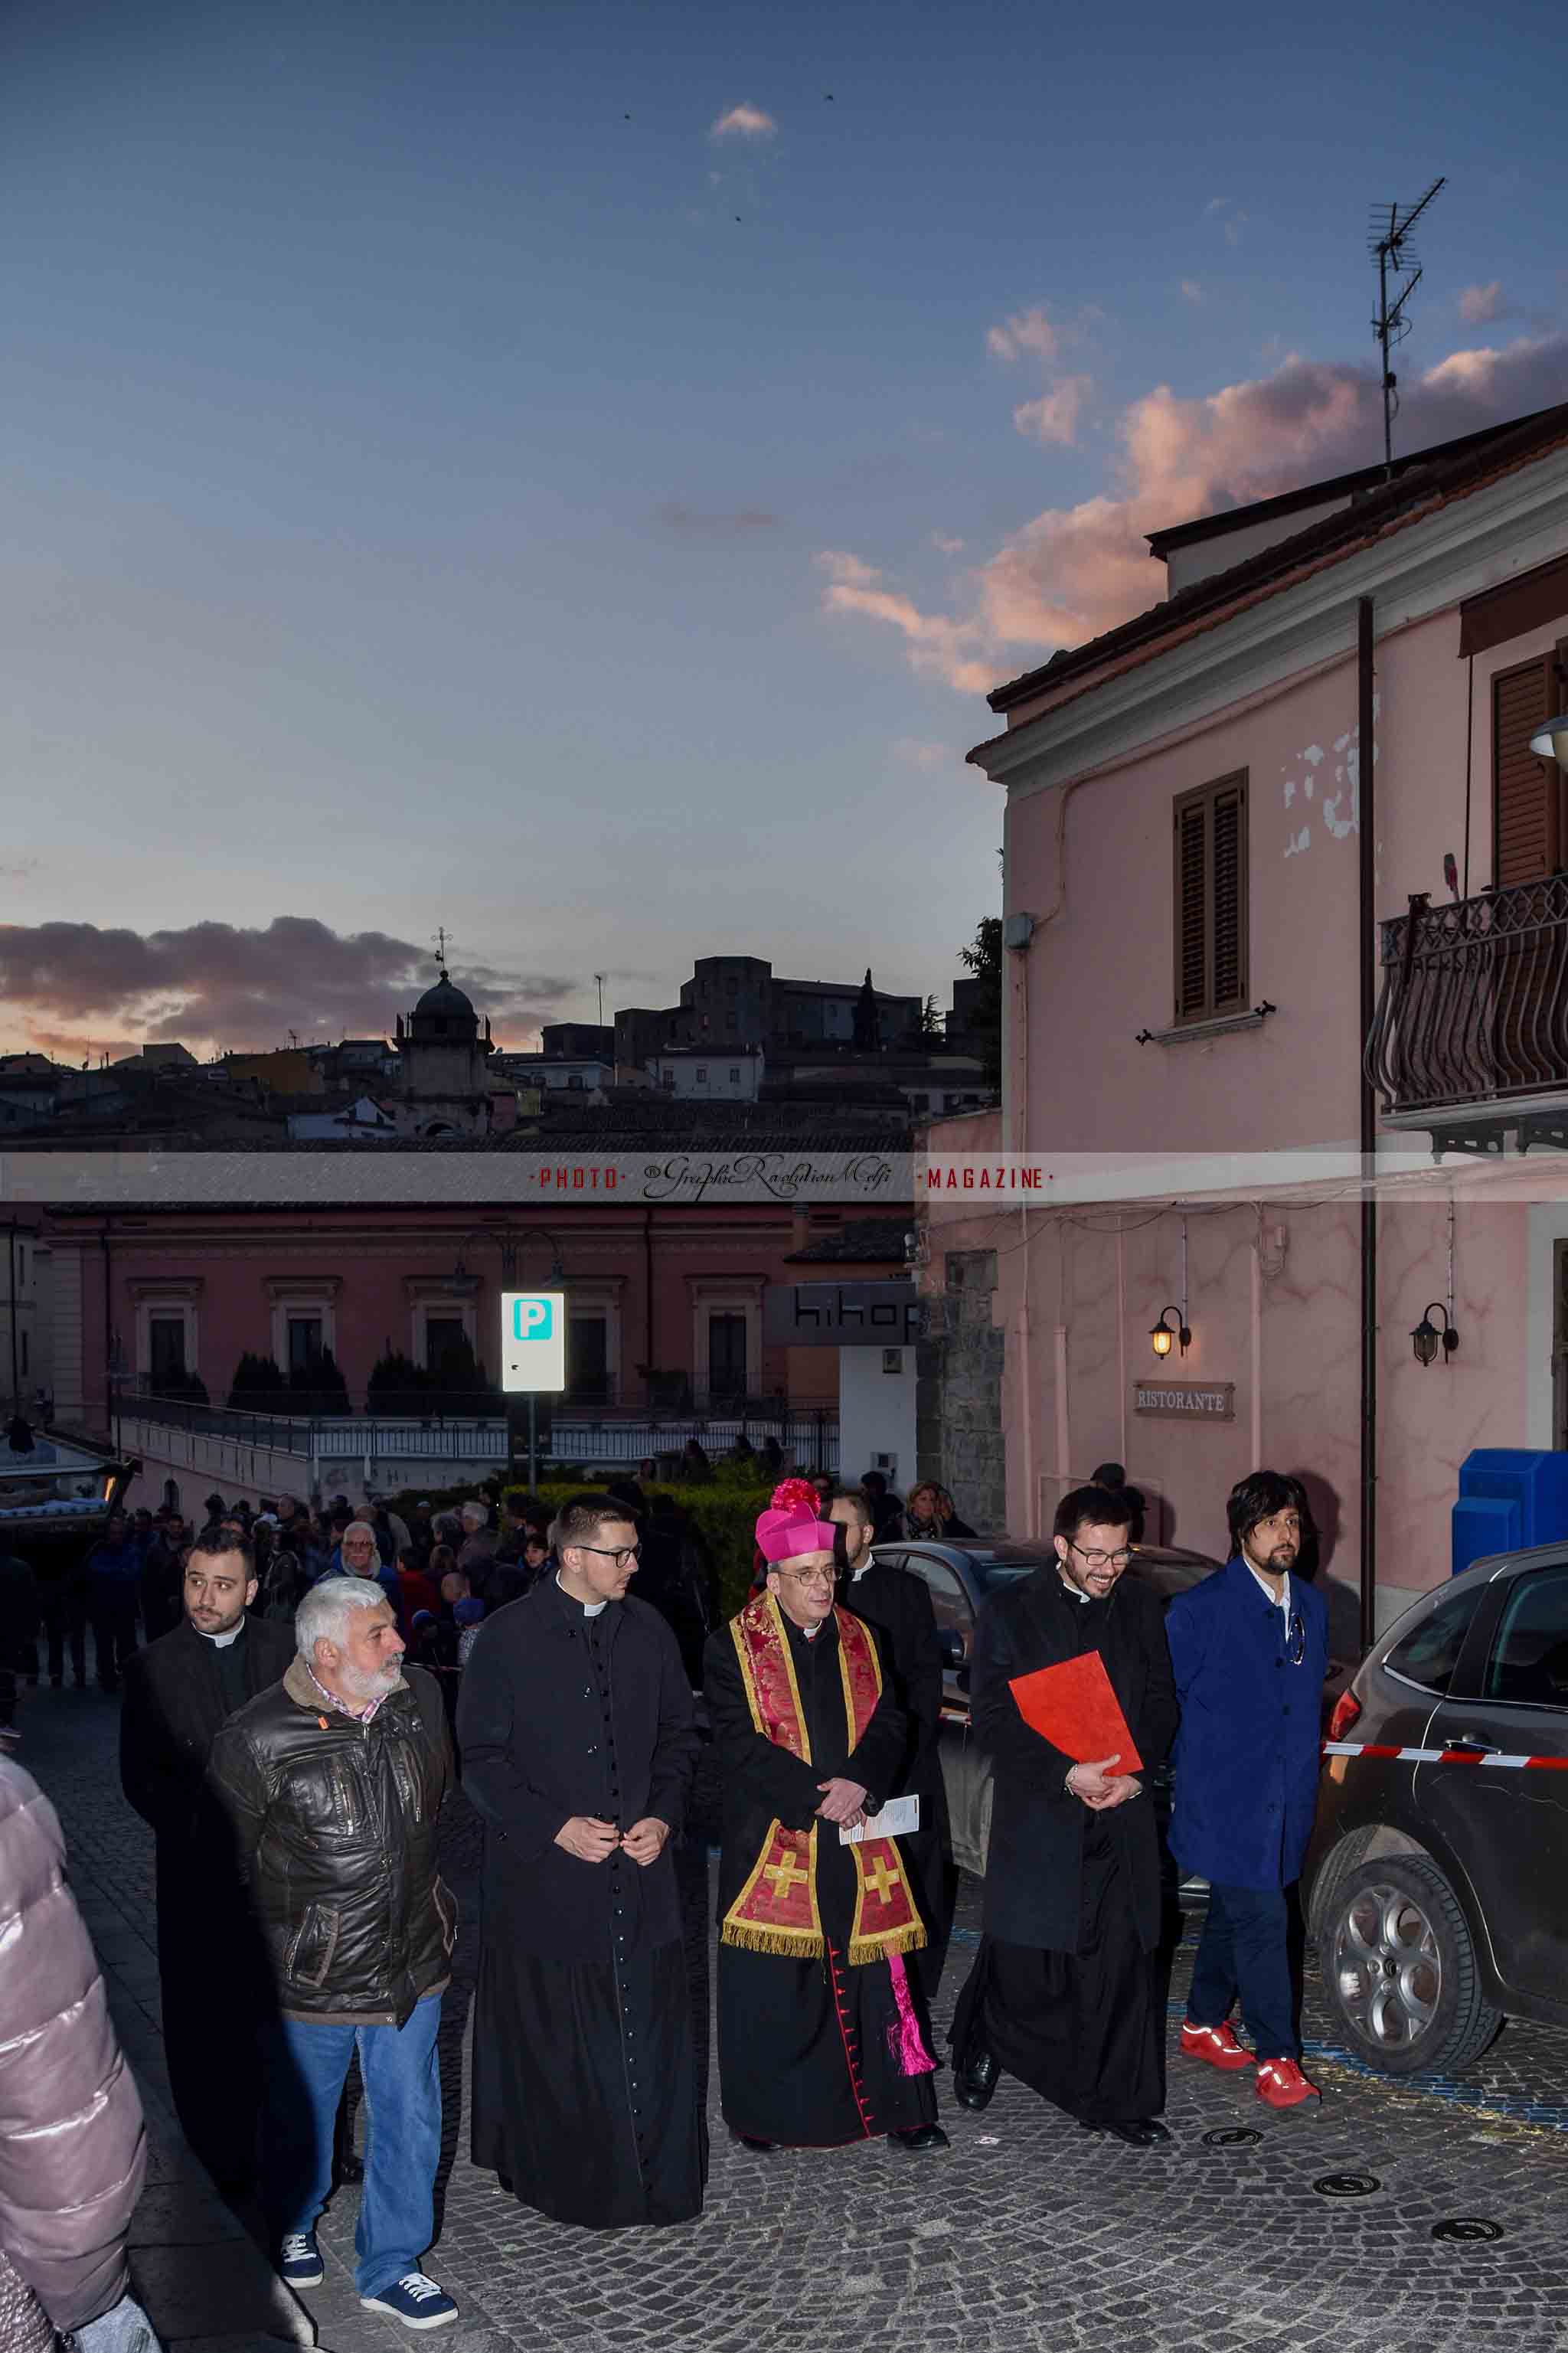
<point>974,2077</point>
<point>920,2137</point>
<point>1138,2132</point>
<point>749,2140</point>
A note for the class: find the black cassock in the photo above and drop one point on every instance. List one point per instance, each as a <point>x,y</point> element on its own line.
<point>898,1605</point>
<point>584,2081</point>
<point>1063,1988</point>
<point>807,2048</point>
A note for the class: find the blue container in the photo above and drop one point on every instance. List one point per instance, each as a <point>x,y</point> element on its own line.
<point>1509,1496</point>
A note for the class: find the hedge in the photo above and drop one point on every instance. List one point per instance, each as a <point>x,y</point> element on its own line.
<point>724,1516</point>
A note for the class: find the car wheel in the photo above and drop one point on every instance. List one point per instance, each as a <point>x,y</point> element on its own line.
<point>1400,1967</point>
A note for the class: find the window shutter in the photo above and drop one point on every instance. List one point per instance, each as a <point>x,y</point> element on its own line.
<point>1211,901</point>
<point>1524,788</point>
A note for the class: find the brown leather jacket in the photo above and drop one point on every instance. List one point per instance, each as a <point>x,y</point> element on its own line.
<point>72,2147</point>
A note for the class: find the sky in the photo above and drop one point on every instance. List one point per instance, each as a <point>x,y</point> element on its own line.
<point>569,473</point>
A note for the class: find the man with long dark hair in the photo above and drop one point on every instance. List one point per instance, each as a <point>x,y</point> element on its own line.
<point>1250,1649</point>
<point>1062,1993</point>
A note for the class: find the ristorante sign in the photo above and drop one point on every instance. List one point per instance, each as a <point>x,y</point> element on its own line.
<point>1186,1400</point>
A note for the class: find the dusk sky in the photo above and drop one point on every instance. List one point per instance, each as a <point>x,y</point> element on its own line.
<point>570,472</point>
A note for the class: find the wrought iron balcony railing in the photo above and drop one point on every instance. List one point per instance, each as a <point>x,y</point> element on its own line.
<point>1474,1008</point>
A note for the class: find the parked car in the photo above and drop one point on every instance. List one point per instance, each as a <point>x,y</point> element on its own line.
<point>960,1575</point>
<point>1438,1891</point>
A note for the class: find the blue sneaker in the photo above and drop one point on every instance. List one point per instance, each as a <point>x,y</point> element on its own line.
<point>300,2259</point>
<point>415,2300</point>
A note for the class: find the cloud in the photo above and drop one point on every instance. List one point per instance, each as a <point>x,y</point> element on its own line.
<point>1192,291</point>
<point>1072,572</point>
<point>1216,204</point>
<point>744,121</point>
<point>945,544</point>
<point>737,521</point>
<point>1054,418</point>
<point>915,751</point>
<point>1028,331</point>
<point>1480,305</point>
<point>935,643</point>
<point>1225,210</point>
<point>216,984</point>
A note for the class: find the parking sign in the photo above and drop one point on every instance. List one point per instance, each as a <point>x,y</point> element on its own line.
<point>534,1340</point>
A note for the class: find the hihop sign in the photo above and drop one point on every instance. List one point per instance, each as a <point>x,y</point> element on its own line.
<point>534,1340</point>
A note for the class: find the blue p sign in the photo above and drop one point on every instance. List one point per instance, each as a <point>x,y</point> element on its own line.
<point>533,1319</point>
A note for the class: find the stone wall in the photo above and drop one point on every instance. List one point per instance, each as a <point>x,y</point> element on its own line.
<point>958,1392</point>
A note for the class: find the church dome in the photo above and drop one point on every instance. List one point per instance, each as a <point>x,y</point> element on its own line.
<point>445,1013</point>
<point>445,998</point>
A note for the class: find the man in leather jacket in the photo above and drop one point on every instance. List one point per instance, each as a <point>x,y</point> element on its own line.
<point>333,1781</point>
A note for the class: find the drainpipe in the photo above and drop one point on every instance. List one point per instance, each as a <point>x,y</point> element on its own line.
<point>1367,918</point>
<point>648,1299</point>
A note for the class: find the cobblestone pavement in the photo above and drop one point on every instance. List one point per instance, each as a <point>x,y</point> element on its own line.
<point>1028,2233</point>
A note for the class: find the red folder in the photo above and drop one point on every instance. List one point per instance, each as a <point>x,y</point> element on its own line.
<point>1073,1706</point>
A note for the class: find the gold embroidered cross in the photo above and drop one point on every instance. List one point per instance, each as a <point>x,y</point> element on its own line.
<point>882,1881</point>
<point>785,1875</point>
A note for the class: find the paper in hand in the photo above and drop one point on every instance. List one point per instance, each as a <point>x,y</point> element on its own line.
<point>896,1819</point>
<point>1073,1706</point>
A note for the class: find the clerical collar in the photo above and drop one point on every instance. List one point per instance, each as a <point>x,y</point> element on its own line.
<point>1075,1592</point>
<point>222,1642</point>
<point>589,1608</point>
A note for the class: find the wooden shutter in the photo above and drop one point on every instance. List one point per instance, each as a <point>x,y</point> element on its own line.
<point>1524,787</point>
<point>1211,901</point>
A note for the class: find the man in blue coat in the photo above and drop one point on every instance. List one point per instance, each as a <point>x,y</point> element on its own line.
<point>1249,1648</point>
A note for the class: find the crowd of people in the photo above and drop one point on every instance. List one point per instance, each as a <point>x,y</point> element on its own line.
<point>293,1762</point>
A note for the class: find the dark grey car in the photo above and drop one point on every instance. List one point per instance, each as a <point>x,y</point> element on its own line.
<point>960,1576</point>
<point>1438,1891</point>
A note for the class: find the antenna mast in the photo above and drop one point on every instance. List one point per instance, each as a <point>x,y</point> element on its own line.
<point>1389,244</point>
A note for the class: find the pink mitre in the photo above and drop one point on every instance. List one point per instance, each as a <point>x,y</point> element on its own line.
<point>786,1532</point>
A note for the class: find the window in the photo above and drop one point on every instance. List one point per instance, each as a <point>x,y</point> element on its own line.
<point>1429,1655</point>
<point>444,1335</point>
<point>920,1102</point>
<point>726,1357</point>
<point>166,1348</point>
<point>948,1602</point>
<point>701,1075</point>
<point>1529,1661</point>
<point>1211,900</point>
<point>587,1359</point>
<point>1527,818</point>
<point>304,1342</point>
<point>892,1360</point>
<point>734,1076</point>
<point>575,1079</point>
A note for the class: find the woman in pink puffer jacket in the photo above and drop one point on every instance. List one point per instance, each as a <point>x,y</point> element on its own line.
<point>72,2147</point>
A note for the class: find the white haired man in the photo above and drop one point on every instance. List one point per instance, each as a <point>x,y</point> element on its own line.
<point>333,1781</point>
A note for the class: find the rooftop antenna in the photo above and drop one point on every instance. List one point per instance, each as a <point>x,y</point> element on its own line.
<point>599,977</point>
<point>1389,245</point>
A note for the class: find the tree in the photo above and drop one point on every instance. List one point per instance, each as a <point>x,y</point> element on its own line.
<point>865,1029</point>
<point>317,1387</point>
<point>931,1025</point>
<point>257,1383</point>
<point>983,1021</point>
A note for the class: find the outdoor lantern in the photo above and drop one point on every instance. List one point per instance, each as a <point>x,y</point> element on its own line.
<point>1551,744</point>
<point>1162,1336</point>
<point>1426,1334</point>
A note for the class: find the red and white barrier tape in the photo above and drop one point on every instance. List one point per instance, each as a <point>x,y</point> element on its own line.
<point>1442,1756</point>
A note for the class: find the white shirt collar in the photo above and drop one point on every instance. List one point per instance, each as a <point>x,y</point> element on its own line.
<point>1282,1601</point>
<point>589,1608</point>
<point>222,1642</point>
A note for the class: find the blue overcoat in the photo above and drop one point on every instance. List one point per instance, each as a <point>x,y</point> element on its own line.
<point>1247,1753</point>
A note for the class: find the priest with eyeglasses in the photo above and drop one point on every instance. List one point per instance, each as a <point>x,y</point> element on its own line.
<point>823,2034</point>
<point>576,1724</point>
<point>1063,1991</point>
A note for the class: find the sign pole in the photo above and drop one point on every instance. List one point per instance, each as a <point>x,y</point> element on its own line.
<point>532,1444</point>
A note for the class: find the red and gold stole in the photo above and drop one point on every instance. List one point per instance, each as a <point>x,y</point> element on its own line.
<point>777,1911</point>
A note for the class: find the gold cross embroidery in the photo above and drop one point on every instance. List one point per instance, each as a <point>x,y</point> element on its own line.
<point>882,1881</point>
<point>785,1875</point>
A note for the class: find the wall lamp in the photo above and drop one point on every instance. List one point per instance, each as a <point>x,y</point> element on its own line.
<point>1426,1334</point>
<point>1162,1336</point>
<point>1552,743</point>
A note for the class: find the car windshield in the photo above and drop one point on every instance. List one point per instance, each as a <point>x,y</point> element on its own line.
<point>993,1569</point>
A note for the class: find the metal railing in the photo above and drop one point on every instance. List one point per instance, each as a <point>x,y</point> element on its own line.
<point>1474,1006</point>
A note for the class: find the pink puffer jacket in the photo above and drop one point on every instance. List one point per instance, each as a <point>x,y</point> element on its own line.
<point>72,2147</point>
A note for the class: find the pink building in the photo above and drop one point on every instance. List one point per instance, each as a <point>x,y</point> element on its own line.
<point>1225,986</point>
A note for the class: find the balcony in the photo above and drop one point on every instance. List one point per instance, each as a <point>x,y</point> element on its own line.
<point>1471,1037</point>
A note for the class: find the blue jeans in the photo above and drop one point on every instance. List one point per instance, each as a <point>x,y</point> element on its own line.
<point>306,2065</point>
<point>1246,1948</point>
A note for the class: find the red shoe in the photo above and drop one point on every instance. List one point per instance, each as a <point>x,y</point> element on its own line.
<point>1218,2044</point>
<point>1282,2085</point>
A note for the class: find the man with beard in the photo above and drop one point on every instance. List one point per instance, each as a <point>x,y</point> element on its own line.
<point>179,1693</point>
<point>333,1781</point>
<point>898,1605</point>
<point>1062,1993</point>
<point>1250,1649</point>
<point>822,2034</point>
<point>579,1743</point>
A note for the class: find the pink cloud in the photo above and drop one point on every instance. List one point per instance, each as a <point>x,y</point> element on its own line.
<point>1072,572</point>
<point>1054,418</point>
<point>744,121</point>
<point>1479,305</point>
<point>1028,331</point>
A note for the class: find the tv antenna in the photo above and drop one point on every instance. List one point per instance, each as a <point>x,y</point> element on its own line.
<point>599,980</point>
<point>1390,247</point>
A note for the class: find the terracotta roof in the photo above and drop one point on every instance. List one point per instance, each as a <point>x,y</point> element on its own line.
<point>1426,485</point>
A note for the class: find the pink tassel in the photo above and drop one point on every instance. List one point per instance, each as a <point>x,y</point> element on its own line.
<point>906,2044</point>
